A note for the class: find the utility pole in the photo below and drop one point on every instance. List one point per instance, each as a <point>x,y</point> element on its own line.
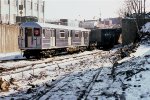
<point>141,7</point>
<point>31,8</point>
<point>17,4</point>
<point>44,11</point>
<point>9,11</point>
<point>0,13</point>
<point>21,12</point>
<point>25,6</point>
<point>38,9</point>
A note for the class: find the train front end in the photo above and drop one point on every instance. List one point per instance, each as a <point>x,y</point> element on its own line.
<point>29,39</point>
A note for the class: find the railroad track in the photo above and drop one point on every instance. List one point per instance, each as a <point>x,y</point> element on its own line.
<point>84,94</point>
<point>7,71</point>
<point>20,59</point>
<point>31,59</point>
<point>88,59</point>
<point>49,87</point>
<point>11,60</point>
<point>53,84</point>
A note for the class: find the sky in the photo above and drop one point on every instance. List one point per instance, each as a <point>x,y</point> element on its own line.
<point>82,9</point>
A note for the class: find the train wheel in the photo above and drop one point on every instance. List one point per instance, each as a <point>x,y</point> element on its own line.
<point>39,56</point>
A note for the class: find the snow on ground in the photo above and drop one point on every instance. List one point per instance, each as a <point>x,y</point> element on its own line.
<point>141,51</point>
<point>69,80</point>
<point>24,62</point>
<point>49,73</point>
<point>12,55</point>
<point>125,85</point>
<point>146,27</point>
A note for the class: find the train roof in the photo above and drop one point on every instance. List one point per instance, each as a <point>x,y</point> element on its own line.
<point>41,25</point>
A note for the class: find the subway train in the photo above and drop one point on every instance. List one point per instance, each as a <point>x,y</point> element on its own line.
<point>43,40</point>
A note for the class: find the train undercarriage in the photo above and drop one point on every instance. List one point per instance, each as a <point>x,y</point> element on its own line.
<point>42,53</point>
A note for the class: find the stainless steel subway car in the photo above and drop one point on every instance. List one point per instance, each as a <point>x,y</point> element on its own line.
<point>41,39</point>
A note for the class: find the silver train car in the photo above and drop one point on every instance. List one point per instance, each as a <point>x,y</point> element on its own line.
<point>42,39</point>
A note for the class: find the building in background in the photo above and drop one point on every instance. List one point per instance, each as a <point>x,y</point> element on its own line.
<point>111,23</point>
<point>69,22</point>
<point>101,24</point>
<point>89,24</point>
<point>66,22</point>
<point>16,11</point>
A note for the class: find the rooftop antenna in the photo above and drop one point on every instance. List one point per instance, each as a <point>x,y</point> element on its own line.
<point>100,15</point>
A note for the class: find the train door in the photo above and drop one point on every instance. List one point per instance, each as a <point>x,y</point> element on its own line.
<point>36,42</point>
<point>69,37</point>
<point>53,37</point>
<point>28,37</point>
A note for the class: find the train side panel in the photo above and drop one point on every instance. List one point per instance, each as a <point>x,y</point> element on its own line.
<point>46,38</point>
<point>86,38</point>
<point>61,38</point>
<point>76,37</point>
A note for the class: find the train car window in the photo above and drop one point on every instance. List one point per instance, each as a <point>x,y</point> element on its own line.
<point>62,34</point>
<point>54,31</point>
<point>36,32</point>
<point>28,31</point>
<point>77,34</point>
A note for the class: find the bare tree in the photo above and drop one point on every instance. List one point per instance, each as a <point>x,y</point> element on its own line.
<point>134,9</point>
